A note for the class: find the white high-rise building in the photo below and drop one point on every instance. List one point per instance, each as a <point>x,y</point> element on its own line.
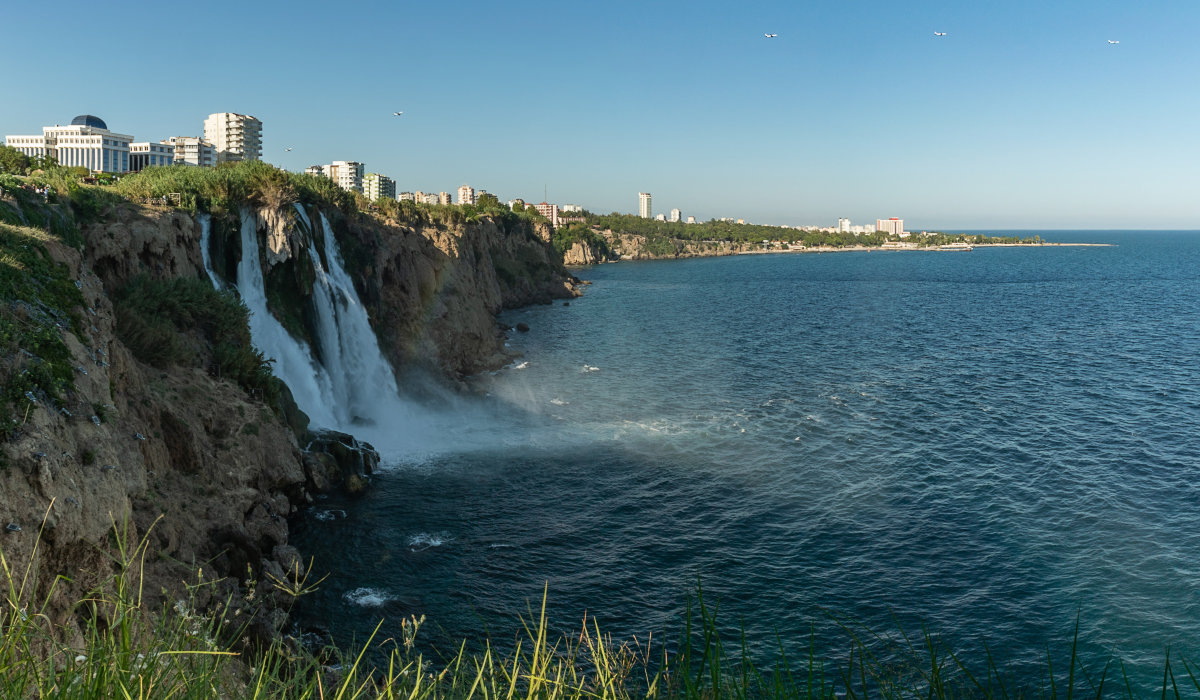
<point>676,215</point>
<point>892,226</point>
<point>843,225</point>
<point>86,142</point>
<point>376,186</point>
<point>444,198</point>
<point>192,150</point>
<point>644,205</point>
<point>691,220</point>
<point>235,136</point>
<point>466,194</point>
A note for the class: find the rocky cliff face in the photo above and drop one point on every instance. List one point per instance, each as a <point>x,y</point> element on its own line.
<point>209,471</point>
<point>134,444</point>
<point>626,246</point>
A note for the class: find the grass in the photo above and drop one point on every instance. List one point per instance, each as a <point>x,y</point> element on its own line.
<point>127,651</point>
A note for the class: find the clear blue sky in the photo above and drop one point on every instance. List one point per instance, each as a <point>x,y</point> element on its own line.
<point>1022,117</point>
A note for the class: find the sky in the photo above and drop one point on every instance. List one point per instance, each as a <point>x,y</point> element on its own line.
<point>1022,116</point>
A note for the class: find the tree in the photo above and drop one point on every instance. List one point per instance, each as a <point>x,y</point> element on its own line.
<point>13,161</point>
<point>488,201</point>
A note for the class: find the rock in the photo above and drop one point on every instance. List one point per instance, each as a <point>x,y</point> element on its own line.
<point>522,327</point>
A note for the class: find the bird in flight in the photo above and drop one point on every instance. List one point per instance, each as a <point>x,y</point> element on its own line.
<point>770,36</point>
<point>396,114</point>
<point>287,149</point>
<point>1111,41</point>
<point>939,33</point>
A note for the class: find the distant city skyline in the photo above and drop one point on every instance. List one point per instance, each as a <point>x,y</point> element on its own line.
<point>1023,116</point>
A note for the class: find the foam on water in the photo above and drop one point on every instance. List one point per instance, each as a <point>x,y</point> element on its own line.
<point>364,597</point>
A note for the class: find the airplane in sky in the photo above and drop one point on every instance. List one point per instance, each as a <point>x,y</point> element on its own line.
<point>770,36</point>
<point>396,114</point>
<point>1111,41</point>
<point>287,149</point>
<point>939,33</point>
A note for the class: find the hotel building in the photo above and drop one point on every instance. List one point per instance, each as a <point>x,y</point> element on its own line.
<point>550,211</point>
<point>644,205</point>
<point>86,143</point>
<point>235,136</point>
<point>376,186</point>
<point>146,154</point>
<point>676,215</point>
<point>892,226</point>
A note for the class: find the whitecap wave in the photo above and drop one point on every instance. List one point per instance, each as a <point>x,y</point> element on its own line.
<point>559,402</point>
<point>590,368</point>
<point>328,515</point>
<point>523,365</point>
<point>366,597</point>
<point>427,540</point>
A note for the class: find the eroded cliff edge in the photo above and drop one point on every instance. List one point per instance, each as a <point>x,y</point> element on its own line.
<point>209,465</point>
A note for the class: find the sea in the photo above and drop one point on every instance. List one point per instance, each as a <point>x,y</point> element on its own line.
<point>1000,448</point>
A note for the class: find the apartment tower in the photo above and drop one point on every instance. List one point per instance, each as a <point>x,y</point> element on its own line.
<point>644,205</point>
<point>235,136</point>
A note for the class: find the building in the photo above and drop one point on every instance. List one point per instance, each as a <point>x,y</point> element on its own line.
<point>691,219</point>
<point>406,197</point>
<point>192,150</point>
<point>466,195</point>
<point>644,205</point>
<point>676,215</point>
<point>517,204</point>
<point>147,155</point>
<point>86,143</point>
<point>660,217</point>
<point>570,209</point>
<point>376,186</point>
<point>444,198</point>
<point>550,211</point>
<point>892,226</point>
<point>235,136</point>
<point>430,198</point>
<point>348,174</point>
<point>843,225</point>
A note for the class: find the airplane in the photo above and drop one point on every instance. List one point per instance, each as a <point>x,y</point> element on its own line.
<point>939,33</point>
<point>396,114</point>
<point>770,36</point>
<point>287,149</point>
<point>1113,42</point>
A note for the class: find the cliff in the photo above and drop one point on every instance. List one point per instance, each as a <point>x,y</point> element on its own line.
<point>133,396</point>
<point>627,246</point>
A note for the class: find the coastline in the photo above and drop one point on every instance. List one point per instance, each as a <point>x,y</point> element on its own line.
<point>923,249</point>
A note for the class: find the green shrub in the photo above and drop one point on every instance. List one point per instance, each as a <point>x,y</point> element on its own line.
<point>182,321</point>
<point>40,304</point>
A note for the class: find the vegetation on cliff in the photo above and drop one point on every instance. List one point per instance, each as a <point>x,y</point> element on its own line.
<point>185,322</point>
<point>40,304</point>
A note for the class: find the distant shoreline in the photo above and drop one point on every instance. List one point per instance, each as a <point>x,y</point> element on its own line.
<point>923,249</point>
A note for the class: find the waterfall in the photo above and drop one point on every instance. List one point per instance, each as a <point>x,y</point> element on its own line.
<point>310,383</point>
<point>205,232</point>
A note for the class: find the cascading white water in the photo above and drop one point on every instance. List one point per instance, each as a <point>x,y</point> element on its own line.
<point>310,383</point>
<point>351,387</point>
<point>205,232</point>
<point>350,341</point>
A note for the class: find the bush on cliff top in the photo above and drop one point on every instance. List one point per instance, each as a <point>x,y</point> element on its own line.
<point>184,321</point>
<point>227,186</point>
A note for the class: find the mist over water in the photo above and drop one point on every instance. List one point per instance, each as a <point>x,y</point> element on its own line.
<point>988,443</point>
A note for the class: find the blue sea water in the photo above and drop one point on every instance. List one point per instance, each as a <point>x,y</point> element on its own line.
<point>991,444</point>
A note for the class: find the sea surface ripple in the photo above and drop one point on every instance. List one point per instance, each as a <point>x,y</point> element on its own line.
<point>990,444</point>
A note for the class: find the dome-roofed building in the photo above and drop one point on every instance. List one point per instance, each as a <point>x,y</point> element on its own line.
<point>89,120</point>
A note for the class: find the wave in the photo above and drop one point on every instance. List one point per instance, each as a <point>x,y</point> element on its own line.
<point>367,597</point>
<point>426,540</point>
